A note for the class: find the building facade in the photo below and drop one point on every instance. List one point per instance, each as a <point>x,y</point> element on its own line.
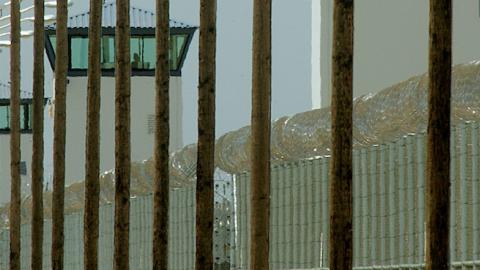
<point>391,42</point>
<point>143,60</point>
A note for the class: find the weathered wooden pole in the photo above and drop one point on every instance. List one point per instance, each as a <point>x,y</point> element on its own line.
<point>438,155</point>
<point>162,138</point>
<point>92,140</point>
<point>260,146</point>
<point>206,136</point>
<point>37,136</point>
<point>15,150</point>
<point>59,131</point>
<point>122,135</point>
<point>340,197</point>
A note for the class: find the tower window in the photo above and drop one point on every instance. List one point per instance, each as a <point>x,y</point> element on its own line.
<point>25,117</point>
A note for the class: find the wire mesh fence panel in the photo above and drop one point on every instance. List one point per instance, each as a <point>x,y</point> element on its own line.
<point>181,236</point>
<point>388,214</point>
<point>389,206</point>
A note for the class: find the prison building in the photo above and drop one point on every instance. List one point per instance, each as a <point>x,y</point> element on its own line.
<point>142,53</point>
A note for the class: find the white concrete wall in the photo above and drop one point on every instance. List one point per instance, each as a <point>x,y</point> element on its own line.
<point>26,152</point>
<point>142,105</point>
<point>391,42</point>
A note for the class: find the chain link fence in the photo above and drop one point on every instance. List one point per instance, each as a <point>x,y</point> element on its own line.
<point>389,214</point>
<point>389,207</point>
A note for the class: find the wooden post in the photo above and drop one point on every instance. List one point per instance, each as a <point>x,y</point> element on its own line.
<point>260,147</point>
<point>341,218</point>
<point>206,136</point>
<point>122,135</point>
<point>162,139</point>
<point>37,136</point>
<point>15,154</point>
<point>438,155</point>
<point>59,131</point>
<point>92,140</point>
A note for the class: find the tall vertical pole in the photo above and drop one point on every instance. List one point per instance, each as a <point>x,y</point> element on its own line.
<point>92,140</point>
<point>340,255</point>
<point>122,135</point>
<point>260,146</point>
<point>162,139</point>
<point>206,136</point>
<point>59,131</point>
<point>438,153</point>
<point>15,154</point>
<point>37,136</point>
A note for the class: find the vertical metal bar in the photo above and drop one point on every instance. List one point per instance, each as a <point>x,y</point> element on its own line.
<point>317,211</point>
<point>401,200</point>
<point>283,218</point>
<point>303,215</point>
<point>474,135</point>
<point>356,208</point>
<point>292,221</point>
<point>410,190</point>
<point>310,215</point>
<point>420,140</point>
<point>391,204</point>
<point>288,216</point>
<point>463,190</point>
<point>382,195</point>
<point>365,210</point>
<point>274,207</point>
<point>296,183</point>
<point>181,230</point>
<point>237,228</point>
<point>240,218</point>
<point>191,239</point>
<point>453,195</point>
<point>373,204</point>
<point>246,205</point>
<point>325,213</point>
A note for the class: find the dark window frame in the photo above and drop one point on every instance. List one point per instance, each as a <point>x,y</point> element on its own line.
<point>27,122</point>
<point>110,31</point>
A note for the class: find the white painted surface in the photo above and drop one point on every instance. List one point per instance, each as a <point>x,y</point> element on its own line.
<point>142,106</point>
<point>391,41</point>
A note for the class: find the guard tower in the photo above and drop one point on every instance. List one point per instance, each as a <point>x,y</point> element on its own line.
<point>143,57</point>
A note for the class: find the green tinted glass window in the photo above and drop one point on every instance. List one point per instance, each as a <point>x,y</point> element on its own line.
<point>108,52</point>
<point>79,51</point>
<point>142,53</point>
<point>53,40</point>
<point>4,117</point>
<point>25,117</point>
<point>149,51</point>
<point>177,43</point>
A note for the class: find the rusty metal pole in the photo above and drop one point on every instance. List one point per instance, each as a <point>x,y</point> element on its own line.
<point>340,197</point>
<point>438,155</point>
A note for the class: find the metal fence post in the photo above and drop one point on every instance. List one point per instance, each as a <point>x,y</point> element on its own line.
<point>474,135</point>
<point>373,204</point>
<point>463,190</point>
<point>421,174</point>
<point>453,195</point>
